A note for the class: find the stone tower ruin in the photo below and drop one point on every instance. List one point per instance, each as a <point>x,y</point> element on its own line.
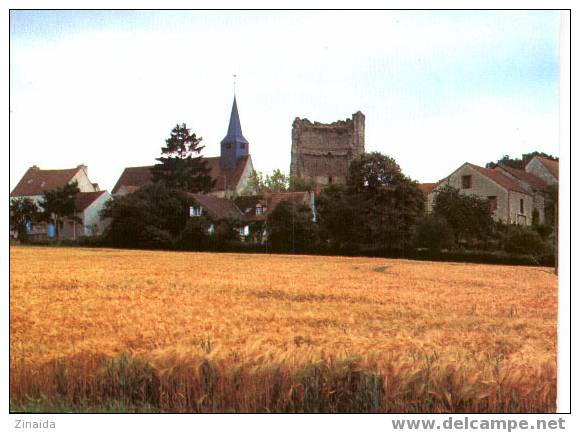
<point>323,152</point>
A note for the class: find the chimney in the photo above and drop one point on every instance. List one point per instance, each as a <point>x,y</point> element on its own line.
<point>84,167</point>
<point>34,167</point>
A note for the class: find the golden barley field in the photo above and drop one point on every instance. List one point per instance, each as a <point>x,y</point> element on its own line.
<point>127,330</point>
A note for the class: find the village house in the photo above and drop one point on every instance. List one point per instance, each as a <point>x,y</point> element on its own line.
<point>88,203</point>
<point>514,195</point>
<point>231,170</point>
<point>251,211</point>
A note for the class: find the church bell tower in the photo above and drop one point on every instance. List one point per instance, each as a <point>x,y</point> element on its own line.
<point>234,145</point>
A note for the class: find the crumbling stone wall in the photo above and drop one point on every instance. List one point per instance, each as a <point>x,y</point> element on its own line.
<point>323,152</point>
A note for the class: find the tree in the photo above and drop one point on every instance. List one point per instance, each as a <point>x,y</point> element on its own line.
<point>373,171</point>
<point>260,184</point>
<point>300,184</point>
<point>179,168</point>
<point>58,205</point>
<point>277,182</point>
<point>152,217</point>
<point>434,234</point>
<point>291,228</point>
<point>519,163</point>
<point>379,207</point>
<point>255,184</point>
<point>23,212</point>
<point>468,215</point>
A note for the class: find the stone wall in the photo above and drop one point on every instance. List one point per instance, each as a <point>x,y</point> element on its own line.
<point>323,152</point>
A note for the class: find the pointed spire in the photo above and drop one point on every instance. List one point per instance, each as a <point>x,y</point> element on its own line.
<point>234,135</point>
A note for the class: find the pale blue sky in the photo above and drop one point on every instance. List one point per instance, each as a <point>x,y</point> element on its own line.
<point>437,88</point>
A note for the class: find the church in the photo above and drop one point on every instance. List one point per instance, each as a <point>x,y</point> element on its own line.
<point>231,170</point>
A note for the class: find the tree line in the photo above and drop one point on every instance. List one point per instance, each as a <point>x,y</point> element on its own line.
<point>378,211</point>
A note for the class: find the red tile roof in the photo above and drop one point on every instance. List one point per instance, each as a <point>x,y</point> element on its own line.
<point>532,180</point>
<point>217,207</point>
<point>85,199</point>
<point>552,166</point>
<point>499,178</point>
<point>136,177</point>
<point>427,187</point>
<point>35,181</point>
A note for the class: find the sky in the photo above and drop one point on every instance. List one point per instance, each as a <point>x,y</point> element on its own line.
<point>438,88</point>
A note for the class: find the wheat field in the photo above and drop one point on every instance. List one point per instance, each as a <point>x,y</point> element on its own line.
<point>127,330</point>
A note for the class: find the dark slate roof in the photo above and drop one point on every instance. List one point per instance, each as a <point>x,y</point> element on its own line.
<point>217,207</point>
<point>35,181</point>
<point>234,134</point>
<point>532,180</point>
<point>135,177</point>
<point>84,199</point>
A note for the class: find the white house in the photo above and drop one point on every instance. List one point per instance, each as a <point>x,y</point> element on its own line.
<point>88,203</point>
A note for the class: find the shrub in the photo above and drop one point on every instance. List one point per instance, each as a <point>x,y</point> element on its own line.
<point>434,234</point>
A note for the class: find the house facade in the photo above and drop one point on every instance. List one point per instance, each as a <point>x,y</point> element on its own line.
<point>89,200</point>
<point>251,211</point>
<point>509,202</point>
<point>545,169</point>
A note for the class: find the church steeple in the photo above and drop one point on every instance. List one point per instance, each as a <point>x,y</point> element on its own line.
<point>234,145</point>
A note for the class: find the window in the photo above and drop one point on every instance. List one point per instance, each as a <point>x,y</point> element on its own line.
<point>521,205</point>
<point>330,180</point>
<point>259,210</point>
<point>466,181</point>
<point>492,202</point>
<point>242,145</point>
<point>195,211</point>
<point>228,145</point>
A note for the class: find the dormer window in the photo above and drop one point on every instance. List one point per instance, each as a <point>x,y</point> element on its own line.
<point>195,211</point>
<point>259,210</point>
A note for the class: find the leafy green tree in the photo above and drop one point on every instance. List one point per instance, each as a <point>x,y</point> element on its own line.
<point>179,167</point>
<point>151,217</point>
<point>468,215</point>
<point>255,184</point>
<point>290,228</point>
<point>374,171</point>
<point>58,205</point>
<point>339,217</point>
<point>23,212</point>
<point>276,182</point>
<point>260,184</point>
<point>379,207</point>
<point>300,184</point>
<point>434,234</point>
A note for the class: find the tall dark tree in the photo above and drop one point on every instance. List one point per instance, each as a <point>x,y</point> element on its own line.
<point>468,215</point>
<point>181,165</point>
<point>58,205</point>
<point>151,217</point>
<point>23,212</point>
<point>291,228</point>
<point>378,208</point>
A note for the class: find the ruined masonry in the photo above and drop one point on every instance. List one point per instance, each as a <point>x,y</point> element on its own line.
<point>323,152</point>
